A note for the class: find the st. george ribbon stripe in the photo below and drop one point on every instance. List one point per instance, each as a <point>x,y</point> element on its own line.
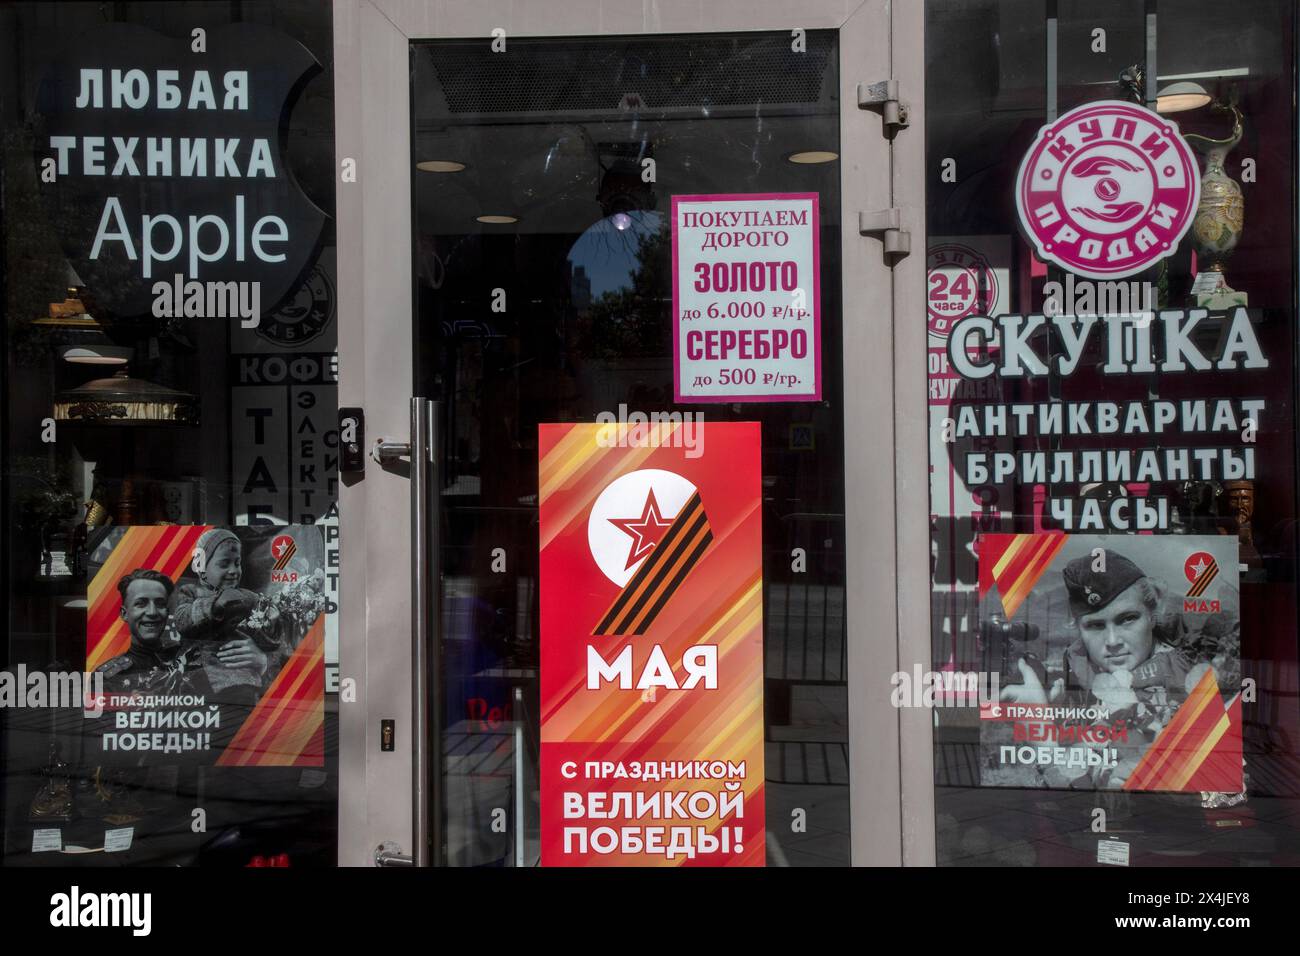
<point>668,542</point>
<point>1203,582</point>
<point>644,571</point>
<point>285,558</point>
<point>698,530</point>
<point>648,577</point>
<point>677,580</point>
<point>651,572</point>
<point>1210,574</point>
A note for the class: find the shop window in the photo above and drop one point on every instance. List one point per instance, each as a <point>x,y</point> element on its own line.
<point>1113,432</point>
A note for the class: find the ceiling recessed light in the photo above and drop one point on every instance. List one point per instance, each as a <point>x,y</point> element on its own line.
<point>497,220</point>
<point>440,166</point>
<point>813,156</point>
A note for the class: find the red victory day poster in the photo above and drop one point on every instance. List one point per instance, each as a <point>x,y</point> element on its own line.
<point>652,644</point>
<point>209,643</point>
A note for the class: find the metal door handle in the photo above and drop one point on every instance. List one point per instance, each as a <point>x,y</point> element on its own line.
<point>390,854</point>
<point>426,769</point>
<point>425,791</point>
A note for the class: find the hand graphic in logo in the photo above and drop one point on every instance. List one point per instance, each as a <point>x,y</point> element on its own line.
<point>1107,188</point>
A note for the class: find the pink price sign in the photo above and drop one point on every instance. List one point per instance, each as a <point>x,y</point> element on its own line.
<point>746,298</point>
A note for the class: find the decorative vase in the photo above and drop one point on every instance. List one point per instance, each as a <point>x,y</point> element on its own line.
<point>1217,227</point>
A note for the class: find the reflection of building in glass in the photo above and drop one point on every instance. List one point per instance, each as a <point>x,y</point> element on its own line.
<point>581,285</point>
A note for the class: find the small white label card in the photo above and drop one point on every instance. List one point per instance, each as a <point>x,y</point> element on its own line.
<point>1113,852</point>
<point>118,840</point>
<point>43,841</point>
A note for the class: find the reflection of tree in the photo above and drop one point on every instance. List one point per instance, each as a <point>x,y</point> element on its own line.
<point>43,501</point>
<point>635,321</point>
<point>33,262</point>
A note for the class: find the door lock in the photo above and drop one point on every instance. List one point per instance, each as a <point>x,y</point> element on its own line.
<point>352,439</point>
<point>385,451</point>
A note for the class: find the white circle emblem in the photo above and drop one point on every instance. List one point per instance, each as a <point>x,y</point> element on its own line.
<point>629,515</point>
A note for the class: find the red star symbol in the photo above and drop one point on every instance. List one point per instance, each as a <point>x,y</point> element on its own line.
<point>645,531</point>
<point>280,549</point>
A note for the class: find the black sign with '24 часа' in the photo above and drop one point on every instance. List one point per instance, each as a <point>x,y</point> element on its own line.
<point>162,156</point>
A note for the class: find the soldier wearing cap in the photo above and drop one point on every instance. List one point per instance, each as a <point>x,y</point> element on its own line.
<point>1124,658</point>
<point>154,662</point>
<point>1117,610</point>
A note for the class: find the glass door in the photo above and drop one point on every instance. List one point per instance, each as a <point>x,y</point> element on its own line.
<point>543,186</point>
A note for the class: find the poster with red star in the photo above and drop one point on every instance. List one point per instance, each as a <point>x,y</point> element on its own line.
<point>1117,662</point>
<point>652,644</point>
<point>207,646</point>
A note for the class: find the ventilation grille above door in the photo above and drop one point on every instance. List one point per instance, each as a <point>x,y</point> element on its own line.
<point>649,74</point>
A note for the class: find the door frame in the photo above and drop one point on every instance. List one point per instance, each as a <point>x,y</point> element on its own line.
<point>887,508</point>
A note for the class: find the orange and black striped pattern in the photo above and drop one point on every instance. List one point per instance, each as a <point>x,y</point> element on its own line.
<point>661,574</point>
<point>290,549</point>
<point>1204,579</point>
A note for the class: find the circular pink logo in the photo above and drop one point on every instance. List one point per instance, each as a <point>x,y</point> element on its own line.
<point>960,282</point>
<point>1107,190</point>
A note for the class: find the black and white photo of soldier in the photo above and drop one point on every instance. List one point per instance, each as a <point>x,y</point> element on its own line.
<point>1109,633</point>
<point>1125,624</point>
<point>157,661</point>
<point>225,629</point>
<point>206,649</point>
